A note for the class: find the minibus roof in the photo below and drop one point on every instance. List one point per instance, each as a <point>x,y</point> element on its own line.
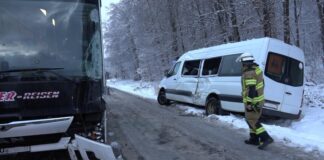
<point>204,53</point>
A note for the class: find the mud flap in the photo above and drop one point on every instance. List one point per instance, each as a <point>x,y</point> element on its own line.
<point>84,145</point>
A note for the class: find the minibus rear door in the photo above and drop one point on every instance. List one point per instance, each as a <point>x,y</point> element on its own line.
<point>274,71</point>
<point>294,80</point>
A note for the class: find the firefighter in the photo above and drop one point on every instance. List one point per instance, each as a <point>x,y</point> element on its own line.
<point>253,99</point>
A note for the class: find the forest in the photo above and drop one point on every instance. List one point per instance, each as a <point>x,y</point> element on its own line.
<point>143,37</point>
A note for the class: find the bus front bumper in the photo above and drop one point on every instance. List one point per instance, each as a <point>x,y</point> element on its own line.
<point>82,145</point>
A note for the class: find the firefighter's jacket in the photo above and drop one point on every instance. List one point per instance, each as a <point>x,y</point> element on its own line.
<point>252,86</point>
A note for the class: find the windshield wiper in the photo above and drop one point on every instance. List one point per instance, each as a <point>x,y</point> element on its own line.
<point>30,70</point>
<point>50,70</point>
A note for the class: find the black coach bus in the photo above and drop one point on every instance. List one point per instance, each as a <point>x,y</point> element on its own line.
<point>51,80</point>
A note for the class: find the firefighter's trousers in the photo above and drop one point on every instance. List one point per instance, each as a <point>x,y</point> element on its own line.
<point>257,132</point>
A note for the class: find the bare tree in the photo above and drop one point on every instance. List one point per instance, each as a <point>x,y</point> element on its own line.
<point>222,18</point>
<point>297,12</point>
<point>320,6</point>
<point>201,21</point>
<point>265,10</point>
<point>226,13</point>
<point>236,34</point>
<point>173,23</point>
<point>286,21</point>
<point>144,36</point>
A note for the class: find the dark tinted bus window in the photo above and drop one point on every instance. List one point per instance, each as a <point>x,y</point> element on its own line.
<point>229,67</point>
<point>211,66</point>
<point>284,69</point>
<point>191,68</point>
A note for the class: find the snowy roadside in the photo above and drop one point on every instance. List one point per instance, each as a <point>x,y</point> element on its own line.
<point>306,133</point>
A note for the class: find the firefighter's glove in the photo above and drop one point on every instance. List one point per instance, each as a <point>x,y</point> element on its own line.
<point>256,108</point>
<point>249,108</point>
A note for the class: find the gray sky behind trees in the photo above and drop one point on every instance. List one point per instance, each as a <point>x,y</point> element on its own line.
<point>106,5</point>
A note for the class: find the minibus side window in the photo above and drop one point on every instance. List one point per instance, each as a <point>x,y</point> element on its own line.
<point>230,67</point>
<point>284,69</point>
<point>211,66</point>
<point>191,68</point>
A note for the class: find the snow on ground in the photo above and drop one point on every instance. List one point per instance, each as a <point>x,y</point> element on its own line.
<point>142,89</point>
<point>306,133</point>
<point>191,111</point>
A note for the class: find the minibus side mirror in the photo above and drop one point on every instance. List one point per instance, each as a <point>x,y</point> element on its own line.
<point>166,73</point>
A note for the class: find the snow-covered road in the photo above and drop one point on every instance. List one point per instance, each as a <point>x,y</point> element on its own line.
<point>306,133</point>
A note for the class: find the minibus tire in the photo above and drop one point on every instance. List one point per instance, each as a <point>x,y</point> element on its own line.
<point>162,100</point>
<point>215,103</point>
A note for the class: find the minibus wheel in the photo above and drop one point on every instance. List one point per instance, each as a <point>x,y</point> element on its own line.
<point>213,106</point>
<point>162,98</point>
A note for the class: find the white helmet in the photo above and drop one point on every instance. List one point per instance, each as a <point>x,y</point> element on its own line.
<point>245,57</point>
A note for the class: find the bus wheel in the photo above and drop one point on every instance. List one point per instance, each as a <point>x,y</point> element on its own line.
<point>162,98</point>
<point>213,106</point>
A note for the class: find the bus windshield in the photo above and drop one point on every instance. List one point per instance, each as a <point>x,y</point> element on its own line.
<point>51,34</point>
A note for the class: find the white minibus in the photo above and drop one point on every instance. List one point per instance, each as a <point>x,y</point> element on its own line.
<point>210,77</point>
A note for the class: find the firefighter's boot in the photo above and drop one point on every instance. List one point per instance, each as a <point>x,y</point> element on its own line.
<point>254,139</point>
<point>265,140</point>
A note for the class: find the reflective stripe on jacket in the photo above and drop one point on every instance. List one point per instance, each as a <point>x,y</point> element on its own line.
<point>252,86</point>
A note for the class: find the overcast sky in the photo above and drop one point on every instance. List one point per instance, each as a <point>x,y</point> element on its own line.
<point>105,4</point>
<point>104,16</point>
